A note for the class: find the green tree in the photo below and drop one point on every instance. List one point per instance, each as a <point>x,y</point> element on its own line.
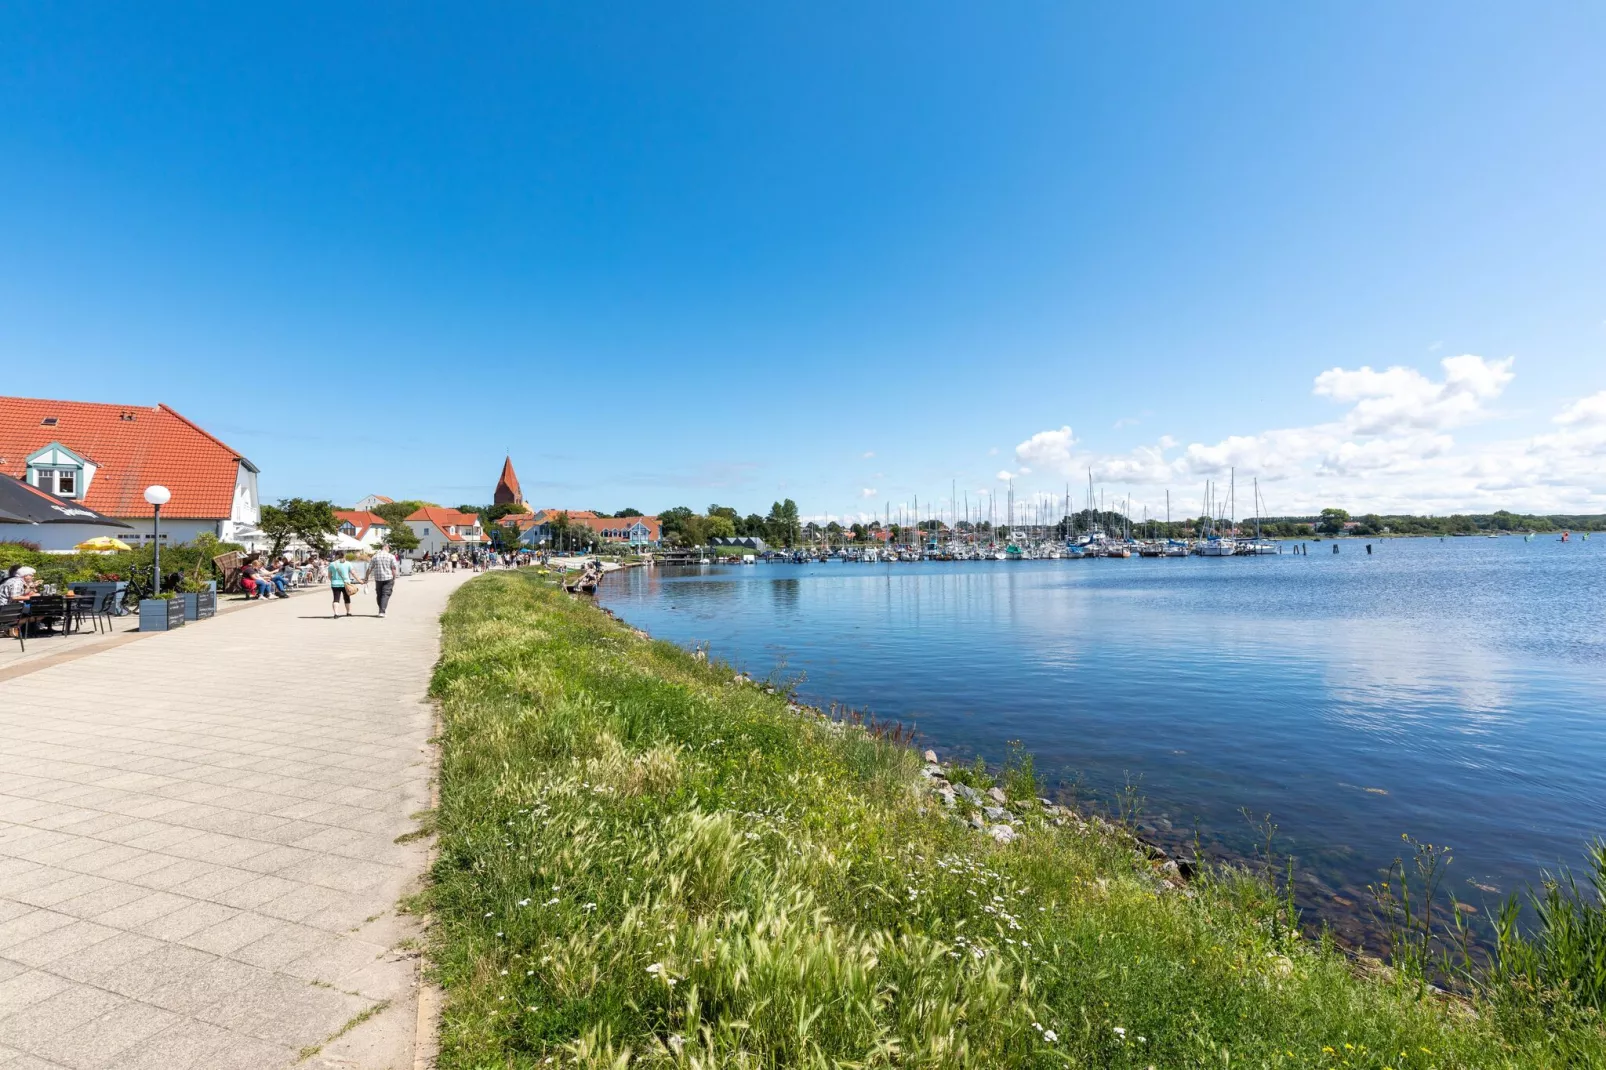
<point>694,530</point>
<point>313,522</point>
<point>1332,521</point>
<point>402,538</point>
<point>630,512</point>
<point>781,527</point>
<point>720,527</point>
<point>671,520</point>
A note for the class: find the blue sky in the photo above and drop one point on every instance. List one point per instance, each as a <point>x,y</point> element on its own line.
<point>727,252</point>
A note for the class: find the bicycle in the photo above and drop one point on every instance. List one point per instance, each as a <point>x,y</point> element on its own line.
<point>137,590</point>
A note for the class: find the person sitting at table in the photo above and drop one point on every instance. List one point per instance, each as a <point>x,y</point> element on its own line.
<point>19,584</point>
<point>278,579</point>
<point>254,578</point>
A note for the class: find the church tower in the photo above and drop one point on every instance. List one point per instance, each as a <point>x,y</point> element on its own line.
<point>507,488</point>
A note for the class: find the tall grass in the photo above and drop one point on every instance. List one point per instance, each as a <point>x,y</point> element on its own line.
<point>644,860</point>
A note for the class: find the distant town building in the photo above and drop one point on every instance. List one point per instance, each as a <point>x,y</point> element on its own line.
<point>371,529</point>
<point>751,542</point>
<point>106,455</point>
<point>536,529</point>
<point>445,529</point>
<point>371,502</point>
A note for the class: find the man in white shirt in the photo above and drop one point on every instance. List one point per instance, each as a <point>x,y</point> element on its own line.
<point>382,569</point>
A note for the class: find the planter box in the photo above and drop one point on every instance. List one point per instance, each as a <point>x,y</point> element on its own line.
<point>161,614</point>
<point>199,605</point>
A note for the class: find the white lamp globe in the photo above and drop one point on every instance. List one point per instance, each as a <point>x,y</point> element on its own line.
<point>157,494</point>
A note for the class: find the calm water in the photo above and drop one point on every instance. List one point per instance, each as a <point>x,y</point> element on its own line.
<point>1452,690</point>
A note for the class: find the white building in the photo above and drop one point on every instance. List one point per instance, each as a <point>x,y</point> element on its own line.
<point>370,529</point>
<point>106,455</point>
<point>445,529</point>
<point>372,502</point>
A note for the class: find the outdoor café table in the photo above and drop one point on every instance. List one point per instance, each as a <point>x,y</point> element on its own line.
<point>46,609</point>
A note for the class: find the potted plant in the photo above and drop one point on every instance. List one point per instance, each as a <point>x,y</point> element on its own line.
<point>161,613</point>
<point>198,599</point>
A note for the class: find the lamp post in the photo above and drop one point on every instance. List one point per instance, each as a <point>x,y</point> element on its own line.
<point>157,495</point>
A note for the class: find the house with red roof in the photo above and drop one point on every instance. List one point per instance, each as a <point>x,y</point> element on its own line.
<point>106,455</point>
<point>446,529</point>
<point>371,529</point>
<point>536,530</point>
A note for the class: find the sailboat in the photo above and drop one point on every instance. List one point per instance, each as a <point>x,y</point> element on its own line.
<point>1257,545</point>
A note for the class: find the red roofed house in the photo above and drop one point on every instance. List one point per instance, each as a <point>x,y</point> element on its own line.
<point>106,455</point>
<point>368,528</point>
<point>445,529</point>
<point>634,530</point>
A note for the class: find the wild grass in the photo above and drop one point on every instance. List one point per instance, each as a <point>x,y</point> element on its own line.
<point>644,861</point>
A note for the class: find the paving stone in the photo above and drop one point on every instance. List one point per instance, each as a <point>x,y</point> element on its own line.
<point>184,850</point>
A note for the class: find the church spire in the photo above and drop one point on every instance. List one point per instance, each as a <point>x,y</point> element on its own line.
<point>507,488</point>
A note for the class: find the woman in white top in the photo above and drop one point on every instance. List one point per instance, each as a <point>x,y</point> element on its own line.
<point>17,585</point>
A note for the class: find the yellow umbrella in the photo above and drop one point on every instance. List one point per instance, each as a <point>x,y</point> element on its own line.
<point>102,542</point>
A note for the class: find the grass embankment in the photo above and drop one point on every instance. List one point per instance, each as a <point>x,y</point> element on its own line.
<point>641,860</point>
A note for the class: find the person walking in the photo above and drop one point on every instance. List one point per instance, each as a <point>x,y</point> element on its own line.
<point>382,569</point>
<point>341,582</point>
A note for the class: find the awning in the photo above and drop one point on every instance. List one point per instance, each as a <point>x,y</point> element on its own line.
<point>24,504</point>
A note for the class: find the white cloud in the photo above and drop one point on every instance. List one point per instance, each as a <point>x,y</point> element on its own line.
<point>1405,398</point>
<point>1048,449</point>
<point>993,452</point>
<point>1590,410</point>
<point>868,454</point>
<point>1390,449</point>
<point>867,492</point>
<point>1005,475</point>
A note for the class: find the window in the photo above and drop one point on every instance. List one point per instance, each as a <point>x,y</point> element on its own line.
<point>62,482</point>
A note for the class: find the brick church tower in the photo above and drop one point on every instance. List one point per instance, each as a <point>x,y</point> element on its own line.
<point>507,488</point>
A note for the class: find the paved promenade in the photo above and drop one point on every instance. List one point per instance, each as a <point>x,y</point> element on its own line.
<point>197,856</point>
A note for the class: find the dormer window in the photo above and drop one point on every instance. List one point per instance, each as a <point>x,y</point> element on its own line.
<point>48,421</point>
<point>62,482</point>
<point>57,470</point>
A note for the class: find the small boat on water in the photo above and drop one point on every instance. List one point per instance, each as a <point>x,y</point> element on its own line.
<point>1216,546</point>
<point>1176,548</point>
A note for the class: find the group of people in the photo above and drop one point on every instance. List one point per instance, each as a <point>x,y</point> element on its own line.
<point>478,560</point>
<point>261,579</point>
<point>266,579</point>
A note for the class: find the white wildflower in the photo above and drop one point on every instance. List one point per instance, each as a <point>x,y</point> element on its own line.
<point>1050,1036</point>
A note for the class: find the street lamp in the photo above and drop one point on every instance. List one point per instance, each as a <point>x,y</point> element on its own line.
<point>157,495</point>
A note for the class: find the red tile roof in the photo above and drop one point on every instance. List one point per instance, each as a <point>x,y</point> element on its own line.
<point>446,518</point>
<point>620,523</point>
<point>360,519</point>
<point>133,447</point>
